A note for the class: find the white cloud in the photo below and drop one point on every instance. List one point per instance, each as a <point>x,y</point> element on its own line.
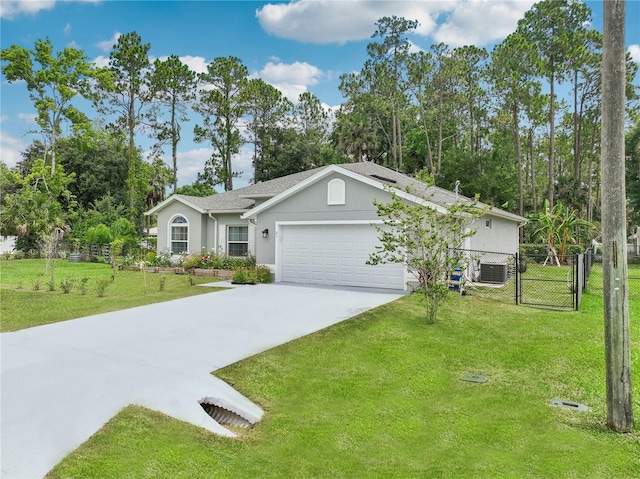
<point>11,148</point>
<point>107,45</point>
<point>192,162</point>
<point>339,21</point>
<point>67,29</point>
<point>101,61</point>
<point>291,79</point>
<point>634,51</point>
<point>3,118</point>
<point>27,117</point>
<point>462,22</point>
<point>479,22</point>
<point>196,64</point>
<point>10,9</point>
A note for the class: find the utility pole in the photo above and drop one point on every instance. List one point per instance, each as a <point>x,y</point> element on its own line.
<point>614,221</point>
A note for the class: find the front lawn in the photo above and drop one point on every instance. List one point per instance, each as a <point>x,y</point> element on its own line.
<point>26,299</point>
<point>380,396</point>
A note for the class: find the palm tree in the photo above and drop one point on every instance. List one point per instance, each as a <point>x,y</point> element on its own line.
<point>559,226</point>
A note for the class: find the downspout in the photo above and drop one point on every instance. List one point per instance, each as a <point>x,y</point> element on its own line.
<point>215,233</point>
<point>254,222</point>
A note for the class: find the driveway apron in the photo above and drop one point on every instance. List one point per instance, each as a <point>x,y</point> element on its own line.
<point>62,382</point>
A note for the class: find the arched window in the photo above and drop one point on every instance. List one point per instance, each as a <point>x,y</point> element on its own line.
<point>336,192</point>
<point>179,235</point>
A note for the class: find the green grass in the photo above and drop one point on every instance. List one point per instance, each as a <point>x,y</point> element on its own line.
<point>22,307</point>
<point>379,396</point>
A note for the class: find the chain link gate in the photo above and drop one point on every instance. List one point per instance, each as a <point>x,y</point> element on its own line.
<point>527,279</point>
<point>550,280</point>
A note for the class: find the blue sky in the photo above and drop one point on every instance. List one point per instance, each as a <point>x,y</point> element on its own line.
<point>297,46</point>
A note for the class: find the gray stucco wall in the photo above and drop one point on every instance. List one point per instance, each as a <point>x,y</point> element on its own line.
<point>217,239</point>
<point>500,237</point>
<point>196,224</point>
<point>310,204</point>
<point>202,229</point>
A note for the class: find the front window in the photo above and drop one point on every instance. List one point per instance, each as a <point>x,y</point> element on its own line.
<point>238,240</point>
<point>179,235</point>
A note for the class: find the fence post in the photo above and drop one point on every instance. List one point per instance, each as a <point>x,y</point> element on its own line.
<point>517,276</point>
<point>576,286</point>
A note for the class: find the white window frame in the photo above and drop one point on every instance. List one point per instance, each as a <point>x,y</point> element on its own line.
<point>173,225</point>
<point>336,192</point>
<point>230,242</point>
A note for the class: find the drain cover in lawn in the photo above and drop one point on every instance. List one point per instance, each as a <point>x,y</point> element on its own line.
<point>569,404</point>
<point>475,378</point>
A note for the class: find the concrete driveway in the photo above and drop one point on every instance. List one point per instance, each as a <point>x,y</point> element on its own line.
<point>62,382</point>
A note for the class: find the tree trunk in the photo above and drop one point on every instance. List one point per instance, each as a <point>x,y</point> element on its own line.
<point>516,133</point>
<point>552,126</point>
<point>534,199</point>
<point>174,147</point>
<point>576,129</point>
<point>614,245</point>
<point>132,154</point>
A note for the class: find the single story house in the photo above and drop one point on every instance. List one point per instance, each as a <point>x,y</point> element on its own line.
<point>315,226</point>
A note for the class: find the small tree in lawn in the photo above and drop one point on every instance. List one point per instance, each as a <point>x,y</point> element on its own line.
<point>427,239</point>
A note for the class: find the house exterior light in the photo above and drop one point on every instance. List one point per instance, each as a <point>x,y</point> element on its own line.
<point>265,233</point>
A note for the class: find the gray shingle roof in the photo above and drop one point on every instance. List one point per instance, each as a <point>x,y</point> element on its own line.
<point>243,199</point>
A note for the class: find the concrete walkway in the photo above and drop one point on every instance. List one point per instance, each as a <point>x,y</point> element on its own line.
<point>62,382</point>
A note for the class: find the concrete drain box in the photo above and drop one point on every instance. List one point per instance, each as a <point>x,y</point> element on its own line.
<point>475,378</point>
<point>576,406</point>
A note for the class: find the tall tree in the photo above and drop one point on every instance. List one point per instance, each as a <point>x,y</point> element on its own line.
<point>98,158</point>
<point>53,81</point>
<point>38,207</point>
<point>468,64</point>
<point>222,104</point>
<point>311,122</point>
<point>444,84</point>
<point>354,133</point>
<point>267,110</point>
<point>513,86</point>
<point>126,92</point>
<point>556,28</point>
<point>382,81</point>
<point>614,225</point>
<point>420,72</point>
<point>173,87</point>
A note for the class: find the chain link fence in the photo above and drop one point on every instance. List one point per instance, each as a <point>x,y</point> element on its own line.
<point>539,280</point>
<point>489,275</point>
<point>593,263</point>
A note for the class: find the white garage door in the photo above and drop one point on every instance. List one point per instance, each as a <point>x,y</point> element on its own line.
<point>334,255</point>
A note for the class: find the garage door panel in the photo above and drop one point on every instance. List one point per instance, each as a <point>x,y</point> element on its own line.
<point>334,255</point>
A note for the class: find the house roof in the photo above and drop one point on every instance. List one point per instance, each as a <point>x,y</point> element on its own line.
<point>244,199</point>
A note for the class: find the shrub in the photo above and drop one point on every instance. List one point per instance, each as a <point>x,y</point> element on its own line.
<point>130,260</point>
<point>122,228</point>
<point>67,284</point>
<point>101,287</point>
<point>163,258</point>
<point>263,273</point>
<point>217,261</point>
<point>244,276</point>
<point>99,234</point>
<point>83,286</point>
